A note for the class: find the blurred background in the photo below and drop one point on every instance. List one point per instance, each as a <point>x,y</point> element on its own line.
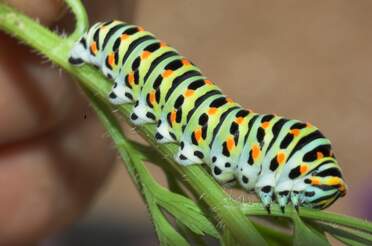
<point>308,60</point>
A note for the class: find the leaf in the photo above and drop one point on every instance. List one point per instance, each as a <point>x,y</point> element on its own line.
<point>228,239</point>
<point>175,187</point>
<point>166,233</point>
<point>185,211</point>
<point>189,235</point>
<point>305,235</point>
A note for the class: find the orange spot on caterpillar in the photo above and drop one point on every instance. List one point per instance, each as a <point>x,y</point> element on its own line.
<point>186,62</point>
<point>265,124</point>
<point>212,111</point>
<point>152,97</point>
<point>303,168</point>
<point>124,37</point>
<point>280,158</point>
<point>189,93</point>
<point>256,152</point>
<point>230,144</point>
<point>131,78</point>
<point>198,134</point>
<point>145,54</point>
<point>173,116</point>
<point>239,120</point>
<point>162,44</point>
<point>167,73</point>
<point>315,181</point>
<point>93,48</point>
<point>111,59</point>
<point>295,132</point>
<point>208,82</point>
<point>319,155</point>
<point>140,29</point>
<point>308,124</point>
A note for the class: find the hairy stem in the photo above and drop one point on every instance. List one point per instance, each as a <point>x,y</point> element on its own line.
<point>307,213</point>
<point>81,24</point>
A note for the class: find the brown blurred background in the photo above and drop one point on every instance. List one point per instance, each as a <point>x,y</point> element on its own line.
<point>309,60</point>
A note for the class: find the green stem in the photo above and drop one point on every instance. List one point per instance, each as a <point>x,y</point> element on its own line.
<point>306,213</point>
<point>57,49</point>
<point>80,14</point>
<point>277,236</point>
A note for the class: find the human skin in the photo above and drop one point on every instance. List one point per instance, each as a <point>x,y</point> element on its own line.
<point>54,155</point>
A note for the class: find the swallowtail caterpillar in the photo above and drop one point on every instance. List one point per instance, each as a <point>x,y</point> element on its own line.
<point>280,159</point>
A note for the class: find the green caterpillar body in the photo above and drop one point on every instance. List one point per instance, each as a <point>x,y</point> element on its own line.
<point>281,159</point>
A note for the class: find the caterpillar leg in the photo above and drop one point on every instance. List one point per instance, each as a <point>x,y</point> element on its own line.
<point>188,154</point>
<point>295,198</point>
<point>142,114</point>
<point>265,189</point>
<point>119,94</point>
<point>297,193</point>
<point>282,193</point>
<point>163,134</point>
<point>265,193</point>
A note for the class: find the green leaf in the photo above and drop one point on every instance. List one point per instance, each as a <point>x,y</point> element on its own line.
<point>305,235</point>
<point>175,187</point>
<point>228,239</point>
<point>166,233</point>
<point>185,211</point>
<point>188,234</point>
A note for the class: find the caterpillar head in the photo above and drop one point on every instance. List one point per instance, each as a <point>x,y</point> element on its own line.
<point>325,186</point>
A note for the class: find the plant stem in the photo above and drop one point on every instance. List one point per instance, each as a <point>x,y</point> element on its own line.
<point>306,213</point>
<point>81,23</point>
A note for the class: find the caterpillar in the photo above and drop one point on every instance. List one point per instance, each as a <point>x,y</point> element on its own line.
<point>282,160</point>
